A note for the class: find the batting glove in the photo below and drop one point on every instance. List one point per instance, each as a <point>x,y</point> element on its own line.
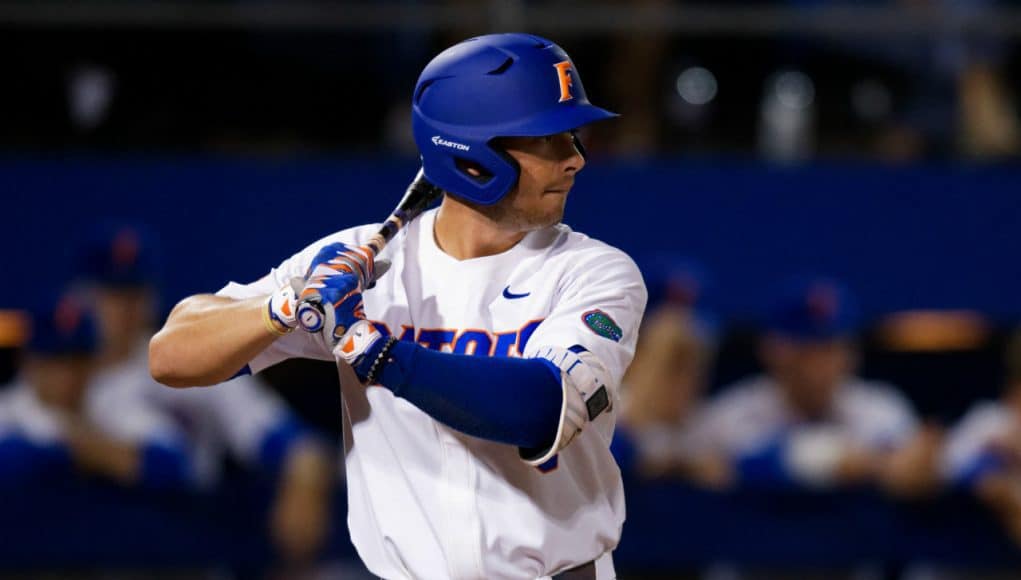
<point>357,260</point>
<point>281,308</point>
<point>331,303</point>
<point>364,348</point>
<point>313,308</point>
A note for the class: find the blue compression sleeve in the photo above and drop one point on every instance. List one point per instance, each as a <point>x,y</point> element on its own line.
<point>23,462</point>
<point>978,468</point>
<point>766,468</point>
<point>508,400</point>
<point>165,467</point>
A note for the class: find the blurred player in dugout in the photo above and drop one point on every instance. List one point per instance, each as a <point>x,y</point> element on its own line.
<point>663,390</point>
<point>808,422</point>
<point>242,419</point>
<point>983,452</point>
<point>53,427</point>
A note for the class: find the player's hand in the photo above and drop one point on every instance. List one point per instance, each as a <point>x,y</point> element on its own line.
<point>334,260</point>
<point>912,470</point>
<point>332,303</point>
<point>282,305</point>
<point>361,347</point>
<point>357,260</point>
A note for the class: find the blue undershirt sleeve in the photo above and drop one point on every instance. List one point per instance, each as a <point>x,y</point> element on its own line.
<point>165,466</point>
<point>766,468</point>
<point>977,469</point>
<point>509,400</point>
<point>23,462</point>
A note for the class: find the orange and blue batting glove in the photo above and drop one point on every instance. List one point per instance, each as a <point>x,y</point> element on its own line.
<point>331,302</point>
<point>357,260</point>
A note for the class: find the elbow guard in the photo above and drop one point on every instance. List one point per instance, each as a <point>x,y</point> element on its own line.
<point>586,394</point>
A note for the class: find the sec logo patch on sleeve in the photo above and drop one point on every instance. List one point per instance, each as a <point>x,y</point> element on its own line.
<point>600,323</point>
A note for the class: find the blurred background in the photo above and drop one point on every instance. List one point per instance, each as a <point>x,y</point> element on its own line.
<point>823,197</point>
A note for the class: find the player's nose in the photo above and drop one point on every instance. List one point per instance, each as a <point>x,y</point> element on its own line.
<point>571,158</point>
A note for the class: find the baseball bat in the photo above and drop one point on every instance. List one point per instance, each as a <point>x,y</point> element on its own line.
<point>419,196</point>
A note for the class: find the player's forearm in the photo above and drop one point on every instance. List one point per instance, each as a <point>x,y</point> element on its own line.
<point>96,453</point>
<point>308,468</point>
<point>999,491</point>
<point>301,512</point>
<point>207,339</point>
<point>152,465</point>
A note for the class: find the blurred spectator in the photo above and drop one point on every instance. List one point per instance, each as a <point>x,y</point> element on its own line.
<point>241,417</point>
<point>956,96</point>
<point>664,385</point>
<point>808,421</point>
<point>53,425</point>
<point>983,453</point>
<point>634,77</point>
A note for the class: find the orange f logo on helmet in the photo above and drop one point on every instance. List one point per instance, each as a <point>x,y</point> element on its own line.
<point>564,76</point>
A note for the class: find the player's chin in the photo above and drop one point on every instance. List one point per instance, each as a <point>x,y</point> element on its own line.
<point>553,217</point>
<point>555,204</point>
<point>545,218</point>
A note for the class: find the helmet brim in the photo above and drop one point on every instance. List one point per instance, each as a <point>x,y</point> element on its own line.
<point>557,120</point>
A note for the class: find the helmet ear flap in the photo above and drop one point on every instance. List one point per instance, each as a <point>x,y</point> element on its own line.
<point>510,161</point>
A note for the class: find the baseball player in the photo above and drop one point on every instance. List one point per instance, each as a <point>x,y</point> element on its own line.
<point>52,425</point>
<point>808,421</point>
<point>663,390</point>
<point>983,451</point>
<point>490,353</point>
<point>246,420</point>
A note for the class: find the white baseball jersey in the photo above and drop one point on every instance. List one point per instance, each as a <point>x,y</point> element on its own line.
<point>234,417</point>
<point>428,502</point>
<point>984,426</point>
<point>668,441</point>
<point>752,413</point>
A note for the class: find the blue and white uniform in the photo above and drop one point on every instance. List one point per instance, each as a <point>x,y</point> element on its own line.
<point>33,440</point>
<point>752,423</point>
<point>427,501</point>
<point>241,418</point>
<point>976,445</point>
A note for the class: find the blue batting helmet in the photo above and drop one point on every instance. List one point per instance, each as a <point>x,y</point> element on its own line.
<point>61,327</point>
<point>498,85</point>
<point>119,255</point>
<point>811,308</point>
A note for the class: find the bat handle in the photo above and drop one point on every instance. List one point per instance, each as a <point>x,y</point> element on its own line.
<point>311,314</point>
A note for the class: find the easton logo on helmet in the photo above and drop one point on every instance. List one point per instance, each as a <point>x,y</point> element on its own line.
<point>441,142</point>
<point>564,76</point>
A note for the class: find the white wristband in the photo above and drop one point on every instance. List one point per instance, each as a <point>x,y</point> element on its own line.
<point>280,307</point>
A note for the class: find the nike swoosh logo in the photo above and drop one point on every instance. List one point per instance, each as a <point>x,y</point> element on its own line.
<point>512,296</point>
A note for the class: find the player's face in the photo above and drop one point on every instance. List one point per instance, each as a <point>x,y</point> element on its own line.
<point>123,313</point>
<point>60,382</point>
<point>670,363</point>
<point>809,372</point>
<point>548,166</point>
